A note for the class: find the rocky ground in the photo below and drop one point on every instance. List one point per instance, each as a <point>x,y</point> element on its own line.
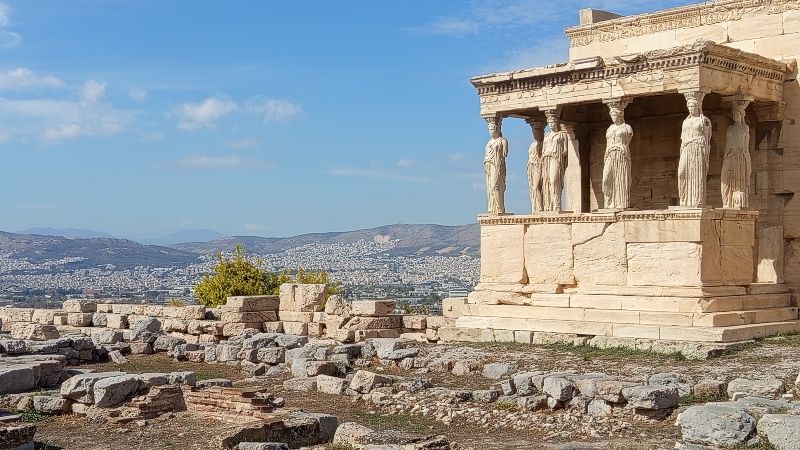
<point>448,368</point>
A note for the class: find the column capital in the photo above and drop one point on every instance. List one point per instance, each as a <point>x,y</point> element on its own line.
<point>619,102</point>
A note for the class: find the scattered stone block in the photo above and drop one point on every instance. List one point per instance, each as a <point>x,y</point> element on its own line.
<point>781,430</point>
<point>33,331</point>
<point>351,434</point>
<point>336,305</point>
<point>188,312</point>
<point>306,384</point>
<point>249,317</point>
<point>651,397</point>
<point>14,380</point>
<point>769,388</point>
<point>611,390</point>
<point>331,385</point>
<point>534,403</point>
<point>79,319</point>
<point>262,446</point>
<point>496,371</point>
<point>316,329</point>
<point>414,322</point>
<point>50,405</point>
<point>272,327</point>
<point>720,426</point>
<point>486,395</point>
<point>271,355</point>
<point>214,382</point>
<point>112,391</point>
<point>302,297</point>
<point>80,388</point>
<point>141,348</point>
<point>314,368</point>
<point>187,378</point>
<point>375,323</point>
<point>117,321</point>
<point>252,303</point>
<point>364,381</point>
<point>116,357</point>
<point>709,389</point>
<point>238,329</point>
<point>374,308</point>
<point>79,306</point>
<point>296,328</point>
<point>558,388</point>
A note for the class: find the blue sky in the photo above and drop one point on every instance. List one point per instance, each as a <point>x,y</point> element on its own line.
<point>269,118</point>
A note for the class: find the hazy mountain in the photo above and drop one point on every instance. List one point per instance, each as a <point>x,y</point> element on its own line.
<point>66,232</point>
<point>95,252</point>
<point>411,240</point>
<point>181,236</point>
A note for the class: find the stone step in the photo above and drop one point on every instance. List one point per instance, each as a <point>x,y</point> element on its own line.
<point>664,304</point>
<point>620,316</point>
<point>735,333</point>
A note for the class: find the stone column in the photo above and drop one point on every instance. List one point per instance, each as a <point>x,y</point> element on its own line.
<point>736,163</point>
<point>694,153</point>
<point>494,166</point>
<point>573,176</point>
<point>535,164</point>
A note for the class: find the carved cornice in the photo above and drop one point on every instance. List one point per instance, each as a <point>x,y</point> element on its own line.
<point>700,54</point>
<point>624,216</point>
<point>675,18</point>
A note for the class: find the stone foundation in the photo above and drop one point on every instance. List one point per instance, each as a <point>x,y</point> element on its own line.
<point>636,277</point>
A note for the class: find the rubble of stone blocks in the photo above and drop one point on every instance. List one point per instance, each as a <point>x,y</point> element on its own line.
<point>17,436</point>
<point>300,309</point>
<point>223,402</point>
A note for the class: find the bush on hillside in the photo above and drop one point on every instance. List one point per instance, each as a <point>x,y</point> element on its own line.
<point>239,276</point>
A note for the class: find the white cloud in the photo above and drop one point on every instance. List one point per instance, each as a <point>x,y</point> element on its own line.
<point>455,157</point>
<point>22,78</point>
<point>406,163</point>
<point>92,91</point>
<point>378,174</point>
<point>63,132</point>
<point>193,116</point>
<point>274,110</point>
<point>8,39</point>
<point>245,143</point>
<point>213,162</point>
<point>152,137</point>
<point>137,94</point>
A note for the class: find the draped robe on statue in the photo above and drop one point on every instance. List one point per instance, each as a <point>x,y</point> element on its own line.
<point>617,167</point>
<point>693,164</point>
<point>554,157</point>
<point>494,167</point>
<point>736,167</point>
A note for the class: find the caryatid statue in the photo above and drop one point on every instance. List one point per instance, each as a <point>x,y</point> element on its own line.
<point>494,167</point>
<point>554,162</point>
<point>736,165</point>
<point>535,165</point>
<point>617,160</point>
<point>695,147</point>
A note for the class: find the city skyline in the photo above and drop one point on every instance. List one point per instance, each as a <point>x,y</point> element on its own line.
<point>140,119</point>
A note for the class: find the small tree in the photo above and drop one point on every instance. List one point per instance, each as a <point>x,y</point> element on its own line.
<point>234,276</point>
<point>238,276</point>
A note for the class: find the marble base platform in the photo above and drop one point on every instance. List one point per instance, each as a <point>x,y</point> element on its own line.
<point>668,275</point>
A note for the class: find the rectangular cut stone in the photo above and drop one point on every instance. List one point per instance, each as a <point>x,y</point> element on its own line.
<point>453,307</point>
<point>596,301</point>
<point>548,254</point>
<point>369,323</point>
<point>770,254</point>
<point>664,264</point>
<point>599,256</point>
<point>635,331</point>
<point>293,316</point>
<point>737,264</point>
<point>502,257</point>
<point>373,307</point>
<point>105,308</point>
<point>235,329</point>
<point>302,297</point>
<point>253,316</point>
<point>674,230</point>
<point>252,303</point>
<point>296,328</point>
<point>611,316</point>
<point>755,26</point>
<point>665,318</point>
<point>188,312</point>
<point>530,312</point>
<point>552,300</point>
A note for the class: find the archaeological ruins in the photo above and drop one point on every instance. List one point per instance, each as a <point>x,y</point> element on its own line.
<point>662,173</point>
<point>663,231</point>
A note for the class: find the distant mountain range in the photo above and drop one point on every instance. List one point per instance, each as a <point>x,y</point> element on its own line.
<point>37,247</point>
<point>177,237</point>
<point>410,240</point>
<point>91,253</point>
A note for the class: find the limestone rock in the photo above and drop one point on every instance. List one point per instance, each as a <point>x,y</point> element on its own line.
<point>262,445</point>
<point>558,388</point>
<point>302,297</point>
<point>769,388</point>
<point>709,389</point>
<point>251,303</point>
<point>352,434</point>
<point>214,382</point>
<point>301,384</point>
<point>364,381</point>
<point>79,319</point>
<point>81,387</point>
<point>33,331</point>
<point>79,306</point>
<point>112,391</point>
<point>651,397</point>
<point>51,405</point>
<point>781,430</point>
<point>486,395</point>
<point>331,385</point>
<point>721,426</point>
<point>16,379</point>
<point>496,371</point>
<point>374,308</point>
<point>188,378</point>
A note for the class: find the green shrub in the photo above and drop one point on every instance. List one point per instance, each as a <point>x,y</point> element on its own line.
<point>239,276</point>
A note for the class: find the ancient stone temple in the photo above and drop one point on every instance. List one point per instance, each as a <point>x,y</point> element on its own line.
<point>662,169</point>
